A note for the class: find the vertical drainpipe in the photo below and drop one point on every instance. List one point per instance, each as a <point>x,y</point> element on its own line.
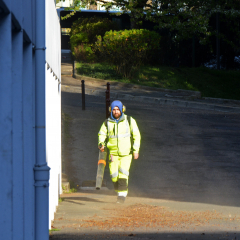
<point>41,170</point>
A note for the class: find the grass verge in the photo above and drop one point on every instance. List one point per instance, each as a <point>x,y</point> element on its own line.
<point>210,82</point>
<point>54,230</point>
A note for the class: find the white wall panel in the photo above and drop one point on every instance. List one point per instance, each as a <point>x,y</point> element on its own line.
<point>17,134</point>
<point>18,109</point>
<point>53,104</point>
<point>53,38</point>
<point>53,137</point>
<point>28,140</point>
<point>6,127</point>
<point>6,3</point>
<point>28,16</point>
<point>16,9</point>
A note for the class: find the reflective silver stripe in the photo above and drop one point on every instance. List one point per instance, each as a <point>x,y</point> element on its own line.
<point>114,175</point>
<point>102,133</point>
<point>124,135</point>
<point>108,127</point>
<point>134,130</point>
<point>120,135</point>
<point>124,171</point>
<point>112,136</point>
<point>123,194</point>
<point>127,125</point>
<point>136,145</point>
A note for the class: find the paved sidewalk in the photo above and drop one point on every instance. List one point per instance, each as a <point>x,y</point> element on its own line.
<point>181,98</point>
<point>95,215</point>
<point>185,185</point>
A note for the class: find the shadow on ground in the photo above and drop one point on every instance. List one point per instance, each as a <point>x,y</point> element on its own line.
<point>186,155</point>
<point>159,236</point>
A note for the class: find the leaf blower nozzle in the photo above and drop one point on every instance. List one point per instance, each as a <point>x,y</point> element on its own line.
<point>102,157</point>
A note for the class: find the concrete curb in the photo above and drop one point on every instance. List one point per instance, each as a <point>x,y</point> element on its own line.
<point>94,189</point>
<point>160,101</point>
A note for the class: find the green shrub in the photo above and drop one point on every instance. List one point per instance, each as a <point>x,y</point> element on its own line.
<point>83,36</point>
<point>84,53</point>
<point>127,50</point>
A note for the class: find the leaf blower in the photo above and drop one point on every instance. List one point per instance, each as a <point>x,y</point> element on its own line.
<point>102,158</point>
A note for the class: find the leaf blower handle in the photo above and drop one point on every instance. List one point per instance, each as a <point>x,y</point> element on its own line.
<point>101,147</point>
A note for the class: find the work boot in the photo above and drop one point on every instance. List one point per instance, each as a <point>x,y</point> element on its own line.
<point>121,199</point>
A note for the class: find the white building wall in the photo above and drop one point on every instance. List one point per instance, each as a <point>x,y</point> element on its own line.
<point>53,140</point>
<point>18,110</point>
<point>66,3</point>
<point>53,105</point>
<point>28,139</point>
<point>17,118</point>
<point>53,38</point>
<point>6,172</point>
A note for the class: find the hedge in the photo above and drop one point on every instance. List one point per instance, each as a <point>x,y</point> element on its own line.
<point>127,50</point>
<point>84,34</point>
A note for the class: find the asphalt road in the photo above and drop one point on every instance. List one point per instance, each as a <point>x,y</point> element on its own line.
<point>187,155</point>
<point>186,180</point>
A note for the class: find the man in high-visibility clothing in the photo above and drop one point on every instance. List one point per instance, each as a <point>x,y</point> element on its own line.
<point>120,134</point>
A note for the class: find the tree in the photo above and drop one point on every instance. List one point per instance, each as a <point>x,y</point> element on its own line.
<point>84,34</point>
<point>188,19</point>
<point>77,5</point>
<point>185,19</point>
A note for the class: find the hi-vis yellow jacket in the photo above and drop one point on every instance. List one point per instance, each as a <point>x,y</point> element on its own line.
<point>118,136</point>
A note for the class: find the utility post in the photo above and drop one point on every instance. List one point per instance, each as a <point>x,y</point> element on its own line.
<point>73,66</point>
<point>83,95</point>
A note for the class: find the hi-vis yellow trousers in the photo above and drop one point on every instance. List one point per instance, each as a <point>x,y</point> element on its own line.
<point>119,170</point>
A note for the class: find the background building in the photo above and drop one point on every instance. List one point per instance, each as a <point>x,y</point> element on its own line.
<point>70,3</point>
<point>64,3</point>
<point>30,120</point>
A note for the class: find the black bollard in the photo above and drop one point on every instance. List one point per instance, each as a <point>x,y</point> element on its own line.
<point>73,72</point>
<point>83,95</point>
<point>73,66</point>
<point>108,88</point>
